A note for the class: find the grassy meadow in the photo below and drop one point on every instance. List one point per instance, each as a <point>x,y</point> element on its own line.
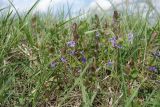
<point>82,61</point>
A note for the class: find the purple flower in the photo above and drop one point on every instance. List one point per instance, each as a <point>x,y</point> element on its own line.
<point>113,40</point>
<point>83,59</point>
<point>153,69</point>
<point>109,63</point>
<point>72,52</point>
<point>71,43</point>
<point>53,64</point>
<point>64,60</point>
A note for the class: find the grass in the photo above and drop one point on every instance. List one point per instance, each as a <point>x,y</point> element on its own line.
<point>114,62</point>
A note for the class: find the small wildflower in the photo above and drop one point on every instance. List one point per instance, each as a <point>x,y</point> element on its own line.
<point>72,52</point>
<point>71,43</point>
<point>110,63</point>
<point>64,60</point>
<point>53,64</point>
<point>83,59</point>
<point>130,37</point>
<point>152,68</point>
<point>113,40</point>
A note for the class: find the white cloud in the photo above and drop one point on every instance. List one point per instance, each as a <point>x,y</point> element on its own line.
<point>23,5</point>
<point>104,4</point>
<point>43,5</point>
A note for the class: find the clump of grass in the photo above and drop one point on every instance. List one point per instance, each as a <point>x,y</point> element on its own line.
<point>111,61</point>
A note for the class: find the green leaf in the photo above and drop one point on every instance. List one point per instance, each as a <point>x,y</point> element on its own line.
<point>134,73</point>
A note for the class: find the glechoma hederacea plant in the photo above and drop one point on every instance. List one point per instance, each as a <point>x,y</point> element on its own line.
<point>92,61</point>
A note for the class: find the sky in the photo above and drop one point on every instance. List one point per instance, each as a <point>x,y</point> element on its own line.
<point>76,5</point>
<point>44,4</point>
